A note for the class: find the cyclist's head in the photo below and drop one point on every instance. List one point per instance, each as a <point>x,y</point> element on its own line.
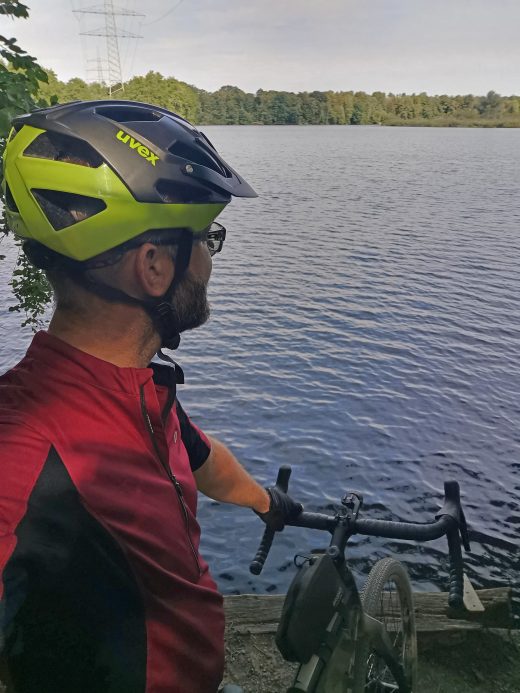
<point>86,183</point>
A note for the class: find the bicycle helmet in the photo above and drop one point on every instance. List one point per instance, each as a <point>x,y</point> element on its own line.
<point>142,167</point>
<point>129,168</point>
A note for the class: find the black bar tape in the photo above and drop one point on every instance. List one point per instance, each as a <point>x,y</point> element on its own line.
<point>258,562</point>
<point>404,530</point>
<point>456,583</point>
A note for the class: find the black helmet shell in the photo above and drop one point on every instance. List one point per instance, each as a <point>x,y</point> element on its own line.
<point>148,147</point>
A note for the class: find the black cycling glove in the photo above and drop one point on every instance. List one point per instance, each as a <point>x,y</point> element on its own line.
<point>281,509</point>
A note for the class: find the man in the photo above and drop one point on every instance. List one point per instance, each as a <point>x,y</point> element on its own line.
<point>102,585</point>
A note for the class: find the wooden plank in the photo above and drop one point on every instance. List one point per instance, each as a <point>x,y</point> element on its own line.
<point>260,613</point>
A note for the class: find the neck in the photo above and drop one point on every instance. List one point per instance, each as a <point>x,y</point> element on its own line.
<point>122,335</point>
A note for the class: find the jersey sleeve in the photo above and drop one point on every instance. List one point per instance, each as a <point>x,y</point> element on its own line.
<point>197,444</point>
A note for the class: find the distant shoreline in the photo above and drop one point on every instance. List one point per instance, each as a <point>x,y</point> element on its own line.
<point>231,106</point>
<point>401,124</point>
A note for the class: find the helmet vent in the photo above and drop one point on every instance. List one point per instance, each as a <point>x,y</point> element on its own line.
<point>127,114</point>
<point>57,147</point>
<point>197,156</point>
<point>9,200</point>
<point>65,209</point>
<point>182,193</point>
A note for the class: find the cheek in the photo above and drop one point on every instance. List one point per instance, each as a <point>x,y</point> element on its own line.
<point>209,263</point>
<point>201,262</point>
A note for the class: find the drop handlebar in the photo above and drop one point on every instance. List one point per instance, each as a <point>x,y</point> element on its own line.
<point>450,521</point>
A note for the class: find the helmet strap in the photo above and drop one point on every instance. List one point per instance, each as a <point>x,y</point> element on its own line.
<point>165,318</point>
<point>160,310</point>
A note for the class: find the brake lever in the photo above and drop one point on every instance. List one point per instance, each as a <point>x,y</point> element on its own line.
<point>453,508</point>
<point>257,564</point>
<point>282,480</point>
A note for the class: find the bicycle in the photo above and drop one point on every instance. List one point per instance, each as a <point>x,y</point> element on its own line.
<point>344,641</point>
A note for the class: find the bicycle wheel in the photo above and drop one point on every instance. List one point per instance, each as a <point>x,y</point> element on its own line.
<point>387,596</point>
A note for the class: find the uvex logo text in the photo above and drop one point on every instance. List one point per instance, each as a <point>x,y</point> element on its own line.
<point>139,148</point>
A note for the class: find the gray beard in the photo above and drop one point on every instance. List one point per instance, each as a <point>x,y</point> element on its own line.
<point>190,302</point>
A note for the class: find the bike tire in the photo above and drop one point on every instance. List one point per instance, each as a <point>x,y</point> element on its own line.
<point>394,608</point>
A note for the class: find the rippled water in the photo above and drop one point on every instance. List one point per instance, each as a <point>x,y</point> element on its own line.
<point>366,330</point>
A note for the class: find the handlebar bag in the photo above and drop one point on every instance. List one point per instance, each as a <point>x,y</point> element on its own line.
<point>312,600</point>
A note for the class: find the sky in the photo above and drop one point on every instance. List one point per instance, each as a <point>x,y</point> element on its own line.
<point>399,46</point>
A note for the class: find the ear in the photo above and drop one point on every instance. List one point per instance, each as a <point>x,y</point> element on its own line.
<point>154,269</point>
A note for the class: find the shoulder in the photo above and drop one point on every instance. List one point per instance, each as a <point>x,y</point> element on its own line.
<point>29,396</point>
<point>23,452</point>
<point>19,437</point>
<point>22,433</point>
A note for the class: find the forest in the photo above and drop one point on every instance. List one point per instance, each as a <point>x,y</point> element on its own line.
<point>232,106</point>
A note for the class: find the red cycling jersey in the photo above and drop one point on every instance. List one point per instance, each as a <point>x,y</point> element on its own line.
<point>102,585</point>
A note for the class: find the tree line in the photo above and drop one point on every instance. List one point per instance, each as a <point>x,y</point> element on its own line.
<point>231,106</point>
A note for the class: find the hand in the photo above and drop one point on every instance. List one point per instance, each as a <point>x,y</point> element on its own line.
<point>281,509</point>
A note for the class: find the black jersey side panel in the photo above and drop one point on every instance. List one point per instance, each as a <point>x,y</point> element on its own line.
<point>73,617</point>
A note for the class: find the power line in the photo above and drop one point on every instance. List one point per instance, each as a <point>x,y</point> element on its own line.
<point>132,59</point>
<point>165,14</point>
<point>111,33</point>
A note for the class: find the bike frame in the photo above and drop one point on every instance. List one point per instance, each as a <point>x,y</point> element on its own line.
<point>331,670</point>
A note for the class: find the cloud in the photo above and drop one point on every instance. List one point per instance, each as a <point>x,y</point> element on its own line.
<point>448,46</point>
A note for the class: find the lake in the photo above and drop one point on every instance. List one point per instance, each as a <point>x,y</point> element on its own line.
<point>366,330</point>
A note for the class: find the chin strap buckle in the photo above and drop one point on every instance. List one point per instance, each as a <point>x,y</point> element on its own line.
<point>166,322</point>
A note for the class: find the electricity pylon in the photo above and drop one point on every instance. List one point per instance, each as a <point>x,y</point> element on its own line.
<point>97,68</point>
<point>111,32</point>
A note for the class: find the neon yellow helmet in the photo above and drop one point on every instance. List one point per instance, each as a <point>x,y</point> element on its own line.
<point>86,177</point>
<point>128,166</point>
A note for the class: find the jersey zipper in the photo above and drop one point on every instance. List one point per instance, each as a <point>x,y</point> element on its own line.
<point>171,476</point>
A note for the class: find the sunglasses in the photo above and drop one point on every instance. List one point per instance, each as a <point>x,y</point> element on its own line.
<point>215,237</point>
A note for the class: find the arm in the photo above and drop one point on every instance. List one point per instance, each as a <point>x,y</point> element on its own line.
<point>219,475</point>
<point>223,478</point>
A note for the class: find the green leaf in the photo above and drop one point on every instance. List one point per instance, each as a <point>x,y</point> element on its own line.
<point>13,8</point>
